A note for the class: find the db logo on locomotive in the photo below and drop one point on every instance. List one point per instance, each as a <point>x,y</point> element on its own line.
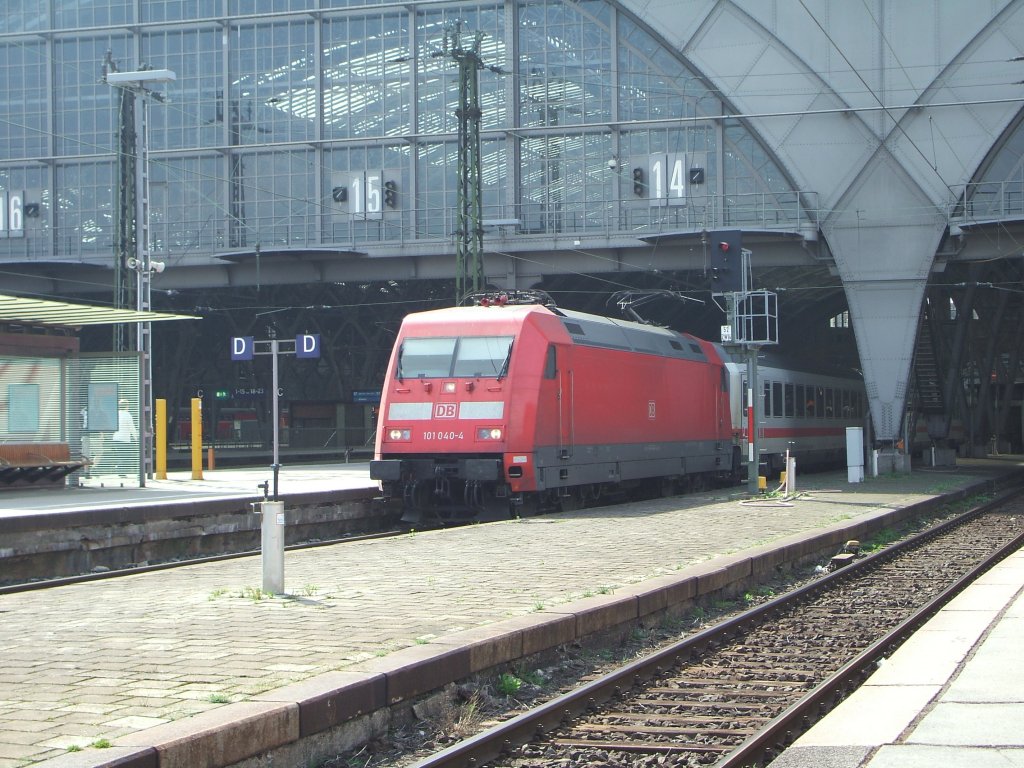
<point>445,410</point>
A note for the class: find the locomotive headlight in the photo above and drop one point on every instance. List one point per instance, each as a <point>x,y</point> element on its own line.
<point>489,433</point>
<point>399,434</point>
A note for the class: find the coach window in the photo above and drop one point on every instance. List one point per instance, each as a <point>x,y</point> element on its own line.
<point>767,399</point>
<point>777,399</point>
<point>830,410</point>
<point>847,408</point>
<point>789,401</point>
<point>819,402</point>
<point>801,401</point>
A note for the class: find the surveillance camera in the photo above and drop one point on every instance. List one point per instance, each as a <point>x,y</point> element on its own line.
<point>612,164</point>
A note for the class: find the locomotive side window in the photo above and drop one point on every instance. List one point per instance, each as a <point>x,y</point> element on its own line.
<point>425,358</point>
<point>551,363</point>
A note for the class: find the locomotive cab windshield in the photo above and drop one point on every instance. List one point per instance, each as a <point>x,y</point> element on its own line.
<point>482,357</point>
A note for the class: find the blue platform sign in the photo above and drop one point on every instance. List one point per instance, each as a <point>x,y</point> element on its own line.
<point>307,345</point>
<point>241,347</point>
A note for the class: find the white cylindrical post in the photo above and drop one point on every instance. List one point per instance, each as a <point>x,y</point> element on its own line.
<point>855,454</point>
<point>790,474</point>
<point>272,546</point>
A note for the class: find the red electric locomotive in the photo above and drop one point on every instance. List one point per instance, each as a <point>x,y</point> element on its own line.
<point>506,408</point>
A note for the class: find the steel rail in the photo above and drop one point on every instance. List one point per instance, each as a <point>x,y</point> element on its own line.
<point>765,745</point>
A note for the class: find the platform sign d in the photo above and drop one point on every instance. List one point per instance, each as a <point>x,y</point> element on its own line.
<point>307,345</point>
<point>241,347</point>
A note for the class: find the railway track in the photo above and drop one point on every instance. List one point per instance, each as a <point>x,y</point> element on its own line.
<point>738,693</point>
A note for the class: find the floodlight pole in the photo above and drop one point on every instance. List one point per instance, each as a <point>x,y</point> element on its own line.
<point>141,263</point>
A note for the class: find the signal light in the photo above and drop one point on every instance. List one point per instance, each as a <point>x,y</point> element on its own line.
<point>727,260</point>
<point>639,188</point>
<point>400,434</point>
<point>488,433</point>
<point>390,194</point>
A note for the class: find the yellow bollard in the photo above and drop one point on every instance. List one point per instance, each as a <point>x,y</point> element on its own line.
<point>197,438</point>
<point>209,458</point>
<point>782,477</point>
<point>160,429</point>
<point>762,483</point>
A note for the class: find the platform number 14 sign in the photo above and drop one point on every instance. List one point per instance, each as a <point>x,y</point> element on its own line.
<point>667,174</point>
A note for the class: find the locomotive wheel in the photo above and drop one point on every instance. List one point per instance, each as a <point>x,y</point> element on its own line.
<point>668,486</point>
<point>570,503</point>
<point>418,494</point>
<point>530,506</point>
<point>494,509</point>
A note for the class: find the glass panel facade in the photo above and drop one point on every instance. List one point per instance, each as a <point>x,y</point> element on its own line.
<point>288,118</point>
<point>22,81</point>
<point>999,189</point>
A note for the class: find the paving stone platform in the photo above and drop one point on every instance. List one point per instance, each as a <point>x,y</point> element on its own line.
<point>195,666</point>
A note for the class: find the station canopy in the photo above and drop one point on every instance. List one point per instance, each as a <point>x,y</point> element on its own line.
<point>18,309</point>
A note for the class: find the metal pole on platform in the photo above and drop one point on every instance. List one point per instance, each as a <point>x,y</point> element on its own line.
<point>276,466</point>
<point>197,438</point>
<point>753,454</point>
<point>272,546</point>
